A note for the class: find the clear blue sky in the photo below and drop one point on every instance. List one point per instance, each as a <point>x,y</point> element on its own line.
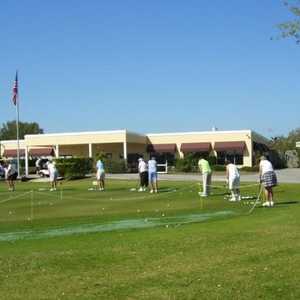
<point>149,66</point>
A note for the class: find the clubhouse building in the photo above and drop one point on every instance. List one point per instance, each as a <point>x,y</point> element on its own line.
<point>238,145</point>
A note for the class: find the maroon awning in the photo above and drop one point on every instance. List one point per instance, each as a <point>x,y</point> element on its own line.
<point>195,147</point>
<point>230,146</point>
<point>41,152</point>
<point>162,148</point>
<point>13,152</point>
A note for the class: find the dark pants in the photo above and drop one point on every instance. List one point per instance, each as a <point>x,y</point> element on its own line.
<point>144,178</point>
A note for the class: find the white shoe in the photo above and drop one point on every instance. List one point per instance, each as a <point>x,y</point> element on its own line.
<point>151,192</point>
<point>266,204</point>
<point>155,191</point>
<point>144,189</point>
<point>271,203</point>
<point>51,190</point>
<point>232,199</point>
<point>140,189</point>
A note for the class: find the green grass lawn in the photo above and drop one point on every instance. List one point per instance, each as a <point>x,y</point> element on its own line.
<point>121,244</point>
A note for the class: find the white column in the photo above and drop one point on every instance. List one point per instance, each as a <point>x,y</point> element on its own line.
<point>125,150</point>
<point>90,150</point>
<point>26,162</point>
<point>57,151</point>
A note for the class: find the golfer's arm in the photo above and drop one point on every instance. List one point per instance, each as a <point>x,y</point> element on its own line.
<point>259,174</point>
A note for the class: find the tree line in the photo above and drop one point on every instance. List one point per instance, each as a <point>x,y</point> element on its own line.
<point>8,130</point>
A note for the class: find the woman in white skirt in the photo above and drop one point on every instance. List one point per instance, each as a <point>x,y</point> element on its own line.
<point>268,178</point>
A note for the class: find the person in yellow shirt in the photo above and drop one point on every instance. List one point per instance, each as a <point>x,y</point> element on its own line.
<point>206,176</point>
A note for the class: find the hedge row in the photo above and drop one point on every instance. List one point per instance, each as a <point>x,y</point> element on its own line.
<point>73,168</point>
<point>79,167</point>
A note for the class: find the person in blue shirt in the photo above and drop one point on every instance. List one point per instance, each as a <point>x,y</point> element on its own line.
<point>100,175</point>
<point>152,171</point>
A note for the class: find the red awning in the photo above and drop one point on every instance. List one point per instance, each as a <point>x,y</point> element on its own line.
<point>195,147</point>
<point>162,148</point>
<point>41,152</point>
<point>230,146</point>
<point>13,153</point>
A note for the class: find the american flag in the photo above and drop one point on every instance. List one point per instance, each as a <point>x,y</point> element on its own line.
<point>15,90</point>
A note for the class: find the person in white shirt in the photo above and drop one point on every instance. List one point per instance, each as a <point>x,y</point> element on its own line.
<point>233,180</point>
<point>152,169</point>
<point>143,172</point>
<point>53,174</point>
<point>100,175</point>
<point>268,178</point>
<point>11,175</point>
<point>37,165</point>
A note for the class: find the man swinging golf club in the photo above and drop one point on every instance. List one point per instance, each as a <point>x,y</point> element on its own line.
<point>233,180</point>
<point>143,172</point>
<point>206,176</point>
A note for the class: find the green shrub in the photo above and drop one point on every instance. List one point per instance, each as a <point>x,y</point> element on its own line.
<point>218,168</point>
<point>112,166</point>
<point>190,163</point>
<point>250,169</point>
<point>183,165</point>
<point>75,167</point>
<point>212,160</point>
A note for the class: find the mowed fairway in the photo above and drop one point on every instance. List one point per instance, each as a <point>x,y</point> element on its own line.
<point>121,244</point>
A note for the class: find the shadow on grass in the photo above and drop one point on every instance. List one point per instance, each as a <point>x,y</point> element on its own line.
<point>287,202</point>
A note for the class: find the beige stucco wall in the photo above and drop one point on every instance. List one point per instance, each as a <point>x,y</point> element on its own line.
<point>10,145</point>
<point>76,138</point>
<point>213,136</point>
<point>135,138</point>
<point>77,144</point>
<point>74,150</point>
<point>137,148</point>
<point>115,149</point>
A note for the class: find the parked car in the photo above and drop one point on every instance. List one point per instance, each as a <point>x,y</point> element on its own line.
<point>43,173</point>
<point>43,168</point>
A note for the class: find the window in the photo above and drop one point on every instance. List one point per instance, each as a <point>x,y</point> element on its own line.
<point>161,158</point>
<point>234,157</point>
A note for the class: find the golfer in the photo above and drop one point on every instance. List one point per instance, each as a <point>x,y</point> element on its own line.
<point>268,179</point>
<point>143,172</point>
<point>11,175</point>
<point>233,180</point>
<point>100,175</point>
<point>53,174</point>
<point>206,176</point>
<point>152,169</point>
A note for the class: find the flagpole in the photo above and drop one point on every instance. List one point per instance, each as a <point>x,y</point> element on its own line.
<point>18,140</point>
<point>17,126</point>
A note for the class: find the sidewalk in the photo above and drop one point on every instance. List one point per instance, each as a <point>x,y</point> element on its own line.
<point>284,176</point>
